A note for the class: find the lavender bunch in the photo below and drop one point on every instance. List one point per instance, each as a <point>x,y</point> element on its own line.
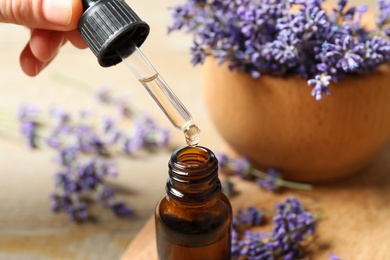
<point>86,150</point>
<point>78,183</point>
<point>266,36</point>
<point>292,226</point>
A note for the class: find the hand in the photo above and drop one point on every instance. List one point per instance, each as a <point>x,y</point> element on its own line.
<point>52,24</point>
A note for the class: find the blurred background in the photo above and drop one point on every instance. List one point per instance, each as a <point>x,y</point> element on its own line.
<point>28,228</point>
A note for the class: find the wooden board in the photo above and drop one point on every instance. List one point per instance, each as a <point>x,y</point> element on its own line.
<point>355,221</point>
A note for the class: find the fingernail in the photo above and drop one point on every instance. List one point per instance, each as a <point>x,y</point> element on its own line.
<point>57,11</point>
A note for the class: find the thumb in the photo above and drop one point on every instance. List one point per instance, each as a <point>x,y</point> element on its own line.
<point>60,15</point>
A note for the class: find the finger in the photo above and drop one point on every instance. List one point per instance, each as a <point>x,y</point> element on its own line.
<point>75,38</point>
<point>45,44</point>
<point>60,15</point>
<point>29,63</point>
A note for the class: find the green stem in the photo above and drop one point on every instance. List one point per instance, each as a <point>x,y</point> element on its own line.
<point>6,132</point>
<point>281,182</point>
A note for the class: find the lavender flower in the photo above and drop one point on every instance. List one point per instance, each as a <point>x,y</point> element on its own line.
<point>345,54</point>
<point>228,187</point>
<point>124,107</point>
<point>383,21</point>
<point>103,95</point>
<point>85,153</point>
<point>29,126</point>
<point>80,182</point>
<point>29,131</point>
<point>270,182</point>
<point>250,216</point>
<point>292,225</point>
<point>223,160</point>
<point>60,115</point>
<point>120,209</point>
<point>320,83</point>
<point>146,134</point>
<point>333,256</point>
<point>258,37</point>
<point>239,166</point>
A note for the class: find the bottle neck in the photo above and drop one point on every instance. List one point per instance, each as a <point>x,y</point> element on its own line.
<point>193,176</point>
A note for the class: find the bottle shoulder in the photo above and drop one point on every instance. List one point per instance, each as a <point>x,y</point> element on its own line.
<point>219,207</point>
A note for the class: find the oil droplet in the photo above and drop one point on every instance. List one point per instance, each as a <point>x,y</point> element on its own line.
<point>192,133</point>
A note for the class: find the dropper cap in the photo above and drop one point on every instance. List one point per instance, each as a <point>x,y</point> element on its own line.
<point>109,27</point>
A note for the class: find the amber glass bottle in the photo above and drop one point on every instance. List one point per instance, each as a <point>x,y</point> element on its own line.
<point>193,219</point>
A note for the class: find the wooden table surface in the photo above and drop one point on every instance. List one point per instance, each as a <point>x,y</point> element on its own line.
<point>29,230</point>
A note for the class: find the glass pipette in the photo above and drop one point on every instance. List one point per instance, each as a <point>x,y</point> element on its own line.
<point>159,90</point>
<point>112,30</point>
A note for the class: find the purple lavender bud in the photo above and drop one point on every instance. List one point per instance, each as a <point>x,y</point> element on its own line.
<point>132,145</point>
<point>322,67</point>
<point>320,83</point>
<point>270,183</point>
<point>240,166</point>
<point>251,216</point>
<point>222,160</point>
<point>61,115</point>
<point>55,206</point>
<point>333,256</point>
<point>82,211</point>
<point>106,193</point>
<point>29,131</point>
<point>72,215</point>
<point>103,95</point>
<point>108,168</point>
<point>383,18</point>
<point>227,187</point>
<point>108,124</point>
<point>124,108</point>
<point>29,126</point>
<point>199,54</point>
<point>67,156</point>
<point>120,209</point>
<point>56,202</point>
<point>292,225</point>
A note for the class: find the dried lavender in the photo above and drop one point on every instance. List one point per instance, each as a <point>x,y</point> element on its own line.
<point>29,124</point>
<point>333,256</point>
<point>270,180</point>
<point>265,36</point>
<point>86,149</point>
<point>292,225</point>
<point>227,187</point>
<point>250,216</point>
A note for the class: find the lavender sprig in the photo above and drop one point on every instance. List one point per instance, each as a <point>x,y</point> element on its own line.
<point>292,226</point>
<point>270,180</point>
<point>264,36</point>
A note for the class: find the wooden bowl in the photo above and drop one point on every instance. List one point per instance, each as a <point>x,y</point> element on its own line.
<point>276,123</point>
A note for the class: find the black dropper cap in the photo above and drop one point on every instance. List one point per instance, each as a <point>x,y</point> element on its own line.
<point>110,27</point>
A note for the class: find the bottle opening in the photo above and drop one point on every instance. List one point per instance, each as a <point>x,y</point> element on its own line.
<point>193,175</point>
<point>193,156</point>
